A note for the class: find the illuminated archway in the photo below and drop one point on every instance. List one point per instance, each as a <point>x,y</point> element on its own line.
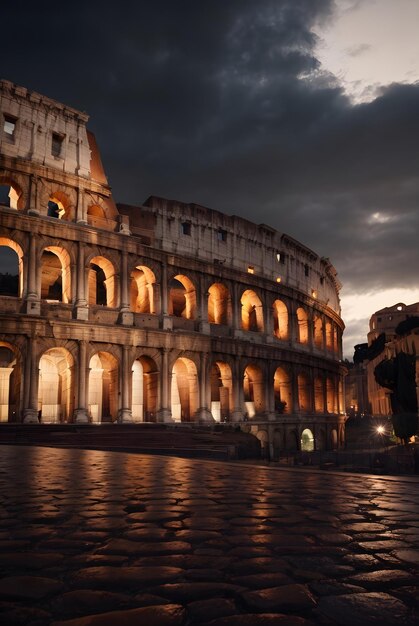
<point>59,206</point>
<point>145,378</point>
<point>55,274</point>
<point>142,290</point>
<point>331,396</point>
<point>103,387</point>
<point>282,391</point>
<point>252,311</point>
<point>334,438</point>
<point>10,194</point>
<point>318,332</point>
<point>280,317</point>
<point>102,283</point>
<point>329,336</point>
<point>254,396</point>
<point>184,390</point>
<point>219,304</point>
<point>11,268</point>
<point>303,393</point>
<point>9,383</point>
<point>55,388</point>
<point>302,321</point>
<point>307,440</point>
<point>182,297</point>
<point>221,391</point>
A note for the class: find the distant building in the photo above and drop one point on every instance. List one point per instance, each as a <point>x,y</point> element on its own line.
<point>167,312</point>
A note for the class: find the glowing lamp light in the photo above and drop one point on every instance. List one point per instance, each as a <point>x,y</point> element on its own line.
<point>380,430</point>
<point>313,293</point>
<point>278,280</point>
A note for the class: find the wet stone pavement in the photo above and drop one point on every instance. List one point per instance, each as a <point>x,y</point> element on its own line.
<point>92,538</point>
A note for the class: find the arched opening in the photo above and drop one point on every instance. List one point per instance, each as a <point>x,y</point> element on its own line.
<point>55,389</point>
<point>55,275</point>
<point>282,391</point>
<point>9,384</point>
<point>335,339</point>
<point>252,311</point>
<point>280,316</point>
<point>11,268</point>
<point>102,283</point>
<point>330,396</point>
<point>307,440</point>
<point>103,387</point>
<point>318,332</point>
<point>334,438</point>
<point>303,393</point>
<point>221,391</point>
<point>142,290</point>
<point>318,395</point>
<point>58,206</point>
<point>96,211</point>
<point>329,336</point>
<point>184,390</point>
<point>219,304</point>
<point>182,297</point>
<point>254,397</point>
<point>145,378</point>
<point>262,435</point>
<point>302,321</point>
<point>9,194</point>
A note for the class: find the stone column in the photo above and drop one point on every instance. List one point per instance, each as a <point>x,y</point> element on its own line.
<point>294,391</point>
<point>164,414</point>
<point>167,323</point>
<point>237,413</point>
<point>81,217</point>
<point>126,317</point>
<point>33,301</point>
<point>30,412</point>
<point>237,307</point>
<point>203,414</point>
<point>125,413</point>
<point>204,326</point>
<point>81,415</point>
<point>81,309</point>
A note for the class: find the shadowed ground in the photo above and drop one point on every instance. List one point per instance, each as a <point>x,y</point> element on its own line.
<point>108,538</point>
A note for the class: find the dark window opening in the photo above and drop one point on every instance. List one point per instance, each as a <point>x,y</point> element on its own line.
<point>222,235</point>
<point>322,280</point>
<point>100,284</point>
<point>186,228</point>
<point>53,209</point>
<point>9,272</point>
<point>306,270</point>
<point>56,145</point>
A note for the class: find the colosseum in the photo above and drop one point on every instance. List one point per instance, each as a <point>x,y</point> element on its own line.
<point>165,312</point>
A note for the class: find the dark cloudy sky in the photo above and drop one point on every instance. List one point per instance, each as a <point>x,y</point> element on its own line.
<point>302,114</point>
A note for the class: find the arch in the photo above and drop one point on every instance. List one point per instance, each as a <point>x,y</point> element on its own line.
<point>219,304</point>
<point>318,332</point>
<point>11,268</point>
<point>182,297</point>
<point>282,391</point>
<point>262,435</point>
<point>280,317</point>
<point>142,290</point>
<point>145,384</point>
<point>95,210</point>
<point>253,388</point>
<point>221,381</point>
<point>55,388</point>
<point>303,393</point>
<point>55,274</point>
<point>307,440</point>
<point>9,383</point>
<point>329,335</point>
<point>318,395</point>
<point>10,193</point>
<point>59,206</point>
<point>184,390</point>
<point>252,311</point>
<point>102,282</point>
<point>330,396</point>
<point>302,323</point>
<point>103,387</point>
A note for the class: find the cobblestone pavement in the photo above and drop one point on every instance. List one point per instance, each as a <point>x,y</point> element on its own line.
<point>93,538</point>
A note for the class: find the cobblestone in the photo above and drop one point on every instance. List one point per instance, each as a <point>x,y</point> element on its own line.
<point>91,538</point>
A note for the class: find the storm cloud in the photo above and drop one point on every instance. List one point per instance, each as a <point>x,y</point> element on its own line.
<point>224,103</point>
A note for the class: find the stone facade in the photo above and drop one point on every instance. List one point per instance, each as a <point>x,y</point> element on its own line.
<point>162,312</point>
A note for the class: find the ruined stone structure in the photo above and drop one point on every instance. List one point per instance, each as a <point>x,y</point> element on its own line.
<point>162,312</point>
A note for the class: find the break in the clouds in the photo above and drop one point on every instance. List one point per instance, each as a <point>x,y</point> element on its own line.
<point>226,103</point>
